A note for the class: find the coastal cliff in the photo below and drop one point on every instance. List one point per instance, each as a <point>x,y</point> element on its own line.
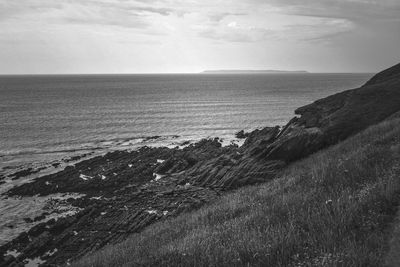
<point>124,192</point>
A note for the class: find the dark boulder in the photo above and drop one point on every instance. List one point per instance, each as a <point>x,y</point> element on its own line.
<point>241,134</point>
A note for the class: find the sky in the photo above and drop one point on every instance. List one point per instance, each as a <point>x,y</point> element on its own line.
<point>171,36</point>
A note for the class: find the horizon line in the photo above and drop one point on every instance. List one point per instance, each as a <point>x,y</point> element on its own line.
<point>209,72</point>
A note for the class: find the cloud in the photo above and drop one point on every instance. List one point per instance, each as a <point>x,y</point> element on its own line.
<point>218,16</point>
<point>235,34</point>
<point>355,10</point>
<point>116,12</point>
<point>260,27</point>
<point>131,6</point>
<point>207,17</point>
<point>16,9</point>
<point>94,13</point>
<point>130,14</point>
<point>220,30</point>
<point>324,30</point>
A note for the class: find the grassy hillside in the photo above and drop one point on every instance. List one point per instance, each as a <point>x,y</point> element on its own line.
<point>334,208</point>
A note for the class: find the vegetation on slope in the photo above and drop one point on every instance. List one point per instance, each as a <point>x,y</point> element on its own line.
<point>334,208</point>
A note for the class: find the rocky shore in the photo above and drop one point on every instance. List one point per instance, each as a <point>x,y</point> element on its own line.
<point>123,192</point>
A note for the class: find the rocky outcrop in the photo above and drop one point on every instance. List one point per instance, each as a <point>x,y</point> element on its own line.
<point>258,140</point>
<point>332,119</point>
<point>320,124</point>
<point>122,196</point>
<point>126,191</point>
<point>241,134</point>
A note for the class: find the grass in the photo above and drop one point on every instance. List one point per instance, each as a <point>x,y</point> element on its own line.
<point>393,256</point>
<point>334,208</point>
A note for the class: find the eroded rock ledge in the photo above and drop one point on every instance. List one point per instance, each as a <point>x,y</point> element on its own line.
<point>126,191</point>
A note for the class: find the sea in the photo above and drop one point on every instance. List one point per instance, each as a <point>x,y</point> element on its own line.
<point>52,117</point>
<point>46,119</point>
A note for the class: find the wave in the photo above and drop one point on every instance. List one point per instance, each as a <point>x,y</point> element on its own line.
<point>101,144</point>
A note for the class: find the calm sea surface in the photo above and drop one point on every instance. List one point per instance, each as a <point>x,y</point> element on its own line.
<point>50,117</point>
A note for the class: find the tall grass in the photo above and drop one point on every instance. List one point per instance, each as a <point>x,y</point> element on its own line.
<point>333,208</point>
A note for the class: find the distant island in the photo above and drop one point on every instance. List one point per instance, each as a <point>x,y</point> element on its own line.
<point>252,71</point>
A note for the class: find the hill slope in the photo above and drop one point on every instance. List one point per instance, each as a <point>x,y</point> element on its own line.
<point>332,208</point>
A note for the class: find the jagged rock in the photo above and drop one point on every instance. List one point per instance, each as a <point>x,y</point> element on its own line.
<point>25,172</point>
<point>296,143</point>
<point>39,218</point>
<point>62,224</point>
<point>38,245</point>
<point>7,260</point>
<point>241,134</point>
<point>37,229</point>
<point>173,165</point>
<point>258,140</point>
<point>56,164</point>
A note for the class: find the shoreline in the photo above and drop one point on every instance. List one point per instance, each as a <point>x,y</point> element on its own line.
<point>19,175</point>
<point>154,194</point>
<point>67,153</point>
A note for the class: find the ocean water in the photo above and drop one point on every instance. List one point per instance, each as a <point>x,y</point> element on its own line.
<point>50,117</point>
<point>44,119</point>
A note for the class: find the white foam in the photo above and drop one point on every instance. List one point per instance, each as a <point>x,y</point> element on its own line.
<point>151,211</point>
<point>184,186</point>
<point>34,262</point>
<point>131,142</point>
<point>229,141</point>
<point>13,253</point>
<point>66,196</point>
<point>85,177</point>
<point>51,252</point>
<point>28,207</point>
<point>157,176</point>
<point>160,161</point>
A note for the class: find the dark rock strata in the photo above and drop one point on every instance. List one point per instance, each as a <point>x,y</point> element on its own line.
<point>123,195</point>
<point>25,172</point>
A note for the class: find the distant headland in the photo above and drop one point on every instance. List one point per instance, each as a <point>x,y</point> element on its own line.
<point>252,71</point>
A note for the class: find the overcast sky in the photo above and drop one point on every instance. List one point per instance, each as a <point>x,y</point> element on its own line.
<point>124,36</point>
